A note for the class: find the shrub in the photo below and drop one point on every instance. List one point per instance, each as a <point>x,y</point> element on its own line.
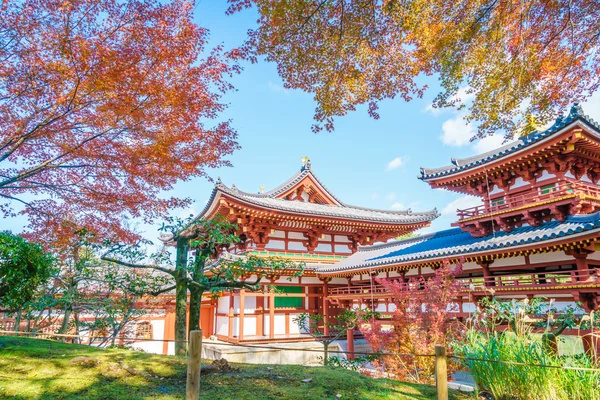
<point>421,320</point>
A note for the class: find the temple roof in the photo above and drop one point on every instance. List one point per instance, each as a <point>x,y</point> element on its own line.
<point>272,200</point>
<point>454,243</point>
<point>575,116</point>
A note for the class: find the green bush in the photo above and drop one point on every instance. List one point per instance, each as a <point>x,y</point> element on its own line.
<point>543,378</point>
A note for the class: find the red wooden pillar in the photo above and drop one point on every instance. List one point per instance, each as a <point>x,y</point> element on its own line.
<point>260,317</point>
<point>241,315</point>
<point>325,309</point>
<point>271,314</point>
<point>350,340</point>
<point>230,315</point>
<point>581,263</point>
<point>488,279</point>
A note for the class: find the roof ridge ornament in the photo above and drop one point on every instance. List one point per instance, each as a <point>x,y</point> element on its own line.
<point>305,164</point>
<point>576,110</point>
<point>218,181</point>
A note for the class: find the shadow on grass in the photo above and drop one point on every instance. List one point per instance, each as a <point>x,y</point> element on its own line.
<point>34,369</point>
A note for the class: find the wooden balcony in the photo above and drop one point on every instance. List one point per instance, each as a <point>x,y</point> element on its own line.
<point>534,205</point>
<point>547,283</point>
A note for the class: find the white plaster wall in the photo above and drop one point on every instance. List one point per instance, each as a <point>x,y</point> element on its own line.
<point>279,324</point>
<point>277,234</point>
<point>158,333</point>
<point>469,307</point>
<point>275,244</point>
<point>549,257</point>
<point>342,248</point>
<point>287,280</point>
<point>338,281</point>
<point>249,304</point>
<point>339,238</point>
<point>394,274</point>
<point>249,326</point>
<point>266,325</point>
<point>222,326</point>
<point>296,235</point>
<point>412,272</point>
<point>427,270</point>
<point>325,247</point>
<point>505,262</point>
<point>294,328</point>
<point>296,246</point>
<point>380,308</point>
<point>223,305</point>
<point>470,266</point>
<point>311,280</point>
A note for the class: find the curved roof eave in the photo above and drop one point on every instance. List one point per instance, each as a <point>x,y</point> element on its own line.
<point>575,117</point>
<point>246,198</point>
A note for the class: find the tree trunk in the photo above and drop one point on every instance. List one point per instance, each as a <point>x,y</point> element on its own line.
<point>16,328</point>
<point>325,353</point>
<point>181,297</point>
<point>195,308</point>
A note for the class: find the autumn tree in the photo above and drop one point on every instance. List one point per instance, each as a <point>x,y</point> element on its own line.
<point>210,270</point>
<point>513,58</point>
<point>422,319</point>
<point>315,324</point>
<point>103,105</point>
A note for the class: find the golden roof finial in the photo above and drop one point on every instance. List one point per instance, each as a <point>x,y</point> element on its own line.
<point>304,160</point>
<point>262,188</point>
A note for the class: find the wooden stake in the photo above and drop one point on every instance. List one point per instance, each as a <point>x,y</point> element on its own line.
<point>192,388</point>
<point>441,373</point>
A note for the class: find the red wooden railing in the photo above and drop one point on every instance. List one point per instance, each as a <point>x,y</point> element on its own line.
<point>497,283</point>
<point>535,195</point>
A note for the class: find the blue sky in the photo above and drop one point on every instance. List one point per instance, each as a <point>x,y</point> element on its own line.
<point>364,162</point>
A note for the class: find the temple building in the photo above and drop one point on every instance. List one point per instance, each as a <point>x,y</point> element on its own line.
<point>300,220</point>
<point>535,234</point>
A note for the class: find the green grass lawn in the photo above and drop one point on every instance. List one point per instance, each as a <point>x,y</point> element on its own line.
<point>42,369</point>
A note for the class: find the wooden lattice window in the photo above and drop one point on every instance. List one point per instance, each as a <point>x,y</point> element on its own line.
<point>548,189</point>
<point>498,202</point>
<point>144,331</point>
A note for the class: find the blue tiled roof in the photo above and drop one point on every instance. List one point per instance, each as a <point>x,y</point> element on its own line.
<point>576,114</point>
<point>455,242</point>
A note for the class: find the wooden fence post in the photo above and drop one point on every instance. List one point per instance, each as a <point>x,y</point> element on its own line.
<point>192,388</point>
<point>441,373</point>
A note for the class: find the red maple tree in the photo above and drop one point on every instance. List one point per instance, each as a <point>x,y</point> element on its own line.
<point>421,320</point>
<point>104,104</point>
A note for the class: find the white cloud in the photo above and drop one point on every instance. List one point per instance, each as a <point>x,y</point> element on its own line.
<point>398,206</point>
<point>592,106</point>
<point>390,196</point>
<point>462,95</point>
<point>374,196</point>
<point>488,143</point>
<point>188,211</point>
<point>461,203</point>
<point>396,163</point>
<point>457,132</point>
<point>276,88</point>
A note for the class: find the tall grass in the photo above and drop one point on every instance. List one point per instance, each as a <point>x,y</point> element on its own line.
<point>506,381</point>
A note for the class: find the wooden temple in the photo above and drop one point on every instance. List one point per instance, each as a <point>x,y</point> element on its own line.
<point>303,221</point>
<point>534,235</point>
